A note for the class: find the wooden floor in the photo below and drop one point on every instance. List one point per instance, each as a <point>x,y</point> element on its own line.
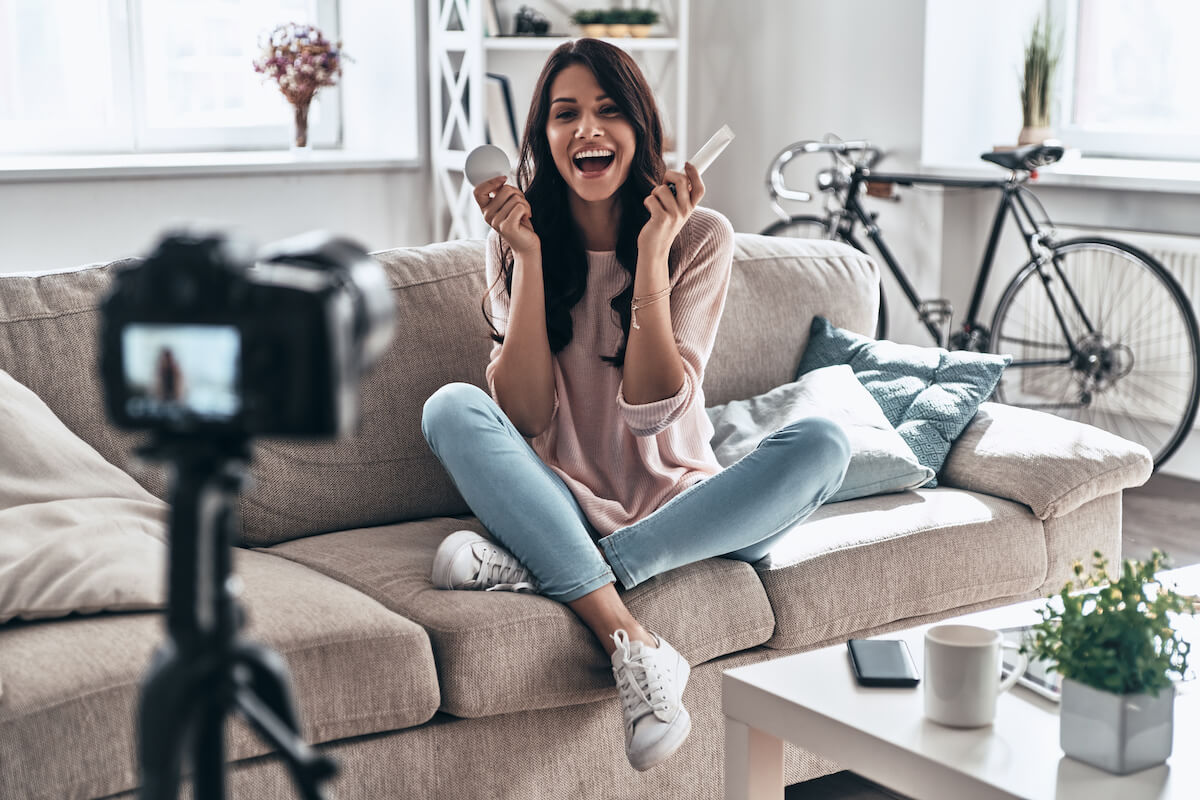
<point>1164,513</point>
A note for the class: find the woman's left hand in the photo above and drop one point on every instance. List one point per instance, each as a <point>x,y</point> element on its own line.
<point>669,211</point>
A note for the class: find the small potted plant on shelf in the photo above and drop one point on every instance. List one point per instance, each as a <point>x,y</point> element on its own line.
<point>1115,648</point>
<point>1042,52</point>
<point>590,22</point>
<point>617,20</point>
<point>641,20</point>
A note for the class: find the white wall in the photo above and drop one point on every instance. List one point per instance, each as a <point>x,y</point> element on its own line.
<point>47,226</point>
<point>779,71</point>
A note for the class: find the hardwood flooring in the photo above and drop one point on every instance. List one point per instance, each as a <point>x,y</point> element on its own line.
<point>1163,513</point>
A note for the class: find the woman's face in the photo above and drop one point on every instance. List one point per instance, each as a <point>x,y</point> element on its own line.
<point>584,122</point>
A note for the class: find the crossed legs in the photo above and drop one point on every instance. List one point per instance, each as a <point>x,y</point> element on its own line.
<point>738,513</point>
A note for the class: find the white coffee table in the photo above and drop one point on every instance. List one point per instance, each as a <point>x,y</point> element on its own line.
<point>812,700</point>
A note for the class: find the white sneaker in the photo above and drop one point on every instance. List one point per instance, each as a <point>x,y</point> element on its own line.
<point>651,681</point>
<point>466,560</point>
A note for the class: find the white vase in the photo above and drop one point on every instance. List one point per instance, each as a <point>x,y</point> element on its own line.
<point>1119,733</point>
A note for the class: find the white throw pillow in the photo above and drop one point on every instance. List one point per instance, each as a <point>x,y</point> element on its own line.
<point>76,533</point>
<point>880,461</point>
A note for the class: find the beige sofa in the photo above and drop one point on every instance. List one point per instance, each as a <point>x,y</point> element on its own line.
<point>425,693</point>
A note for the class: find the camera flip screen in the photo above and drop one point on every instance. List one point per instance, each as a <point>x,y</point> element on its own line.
<point>181,372</point>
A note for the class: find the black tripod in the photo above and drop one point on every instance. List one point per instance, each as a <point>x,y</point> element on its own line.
<point>202,672</point>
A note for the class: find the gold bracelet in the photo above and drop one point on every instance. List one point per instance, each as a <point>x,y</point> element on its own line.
<point>654,296</point>
<point>633,309</point>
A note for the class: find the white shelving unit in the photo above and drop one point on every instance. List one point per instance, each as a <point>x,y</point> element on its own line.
<point>459,59</point>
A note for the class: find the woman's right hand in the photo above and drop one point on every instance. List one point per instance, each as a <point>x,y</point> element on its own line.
<point>508,213</point>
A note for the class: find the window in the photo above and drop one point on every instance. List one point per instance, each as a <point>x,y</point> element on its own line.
<point>1129,76</point>
<point>95,76</point>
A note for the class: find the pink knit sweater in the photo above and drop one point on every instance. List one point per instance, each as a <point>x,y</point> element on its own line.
<point>622,461</point>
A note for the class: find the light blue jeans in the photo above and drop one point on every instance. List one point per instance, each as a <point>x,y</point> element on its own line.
<point>739,513</point>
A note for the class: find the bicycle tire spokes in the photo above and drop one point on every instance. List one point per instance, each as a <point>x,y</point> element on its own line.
<point>1104,338</point>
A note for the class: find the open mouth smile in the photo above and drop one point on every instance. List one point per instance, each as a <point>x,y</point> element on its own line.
<point>594,162</point>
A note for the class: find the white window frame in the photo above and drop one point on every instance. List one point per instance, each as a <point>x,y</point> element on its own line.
<point>134,135</point>
<point>41,137</point>
<point>324,117</point>
<point>1107,143</point>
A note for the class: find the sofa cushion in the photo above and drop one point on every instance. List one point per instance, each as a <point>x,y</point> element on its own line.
<point>78,533</point>
<point>777,285</point>
<point>1051,464</point>
<point>501,651</point>
<point>48,341</point>
<point>880,461</point>
<point>867,562</point>
<point>71,685</point>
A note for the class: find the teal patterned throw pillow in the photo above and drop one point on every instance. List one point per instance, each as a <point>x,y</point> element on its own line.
<point>928,394</point>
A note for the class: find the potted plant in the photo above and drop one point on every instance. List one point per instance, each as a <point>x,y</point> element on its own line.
<point>590,23</point>
<point>1042,52</point>
<point>617,20</point>
<point>1114,647</point>
<point>641,20</point>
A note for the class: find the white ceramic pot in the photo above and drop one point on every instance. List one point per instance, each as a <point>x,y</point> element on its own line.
<point>1119,733</point>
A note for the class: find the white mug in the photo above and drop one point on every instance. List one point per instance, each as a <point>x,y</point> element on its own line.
<point>962,674</point>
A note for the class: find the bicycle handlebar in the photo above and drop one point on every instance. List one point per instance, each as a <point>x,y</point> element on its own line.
<point>775,183</point>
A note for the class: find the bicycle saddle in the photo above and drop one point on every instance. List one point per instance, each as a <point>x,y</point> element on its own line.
<point>1028,158</point>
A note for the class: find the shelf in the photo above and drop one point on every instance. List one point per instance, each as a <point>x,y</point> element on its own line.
<point>545,43</point>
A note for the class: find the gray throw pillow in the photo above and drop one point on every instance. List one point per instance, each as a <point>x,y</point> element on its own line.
<point>880,461</point>
<point>76,533</point>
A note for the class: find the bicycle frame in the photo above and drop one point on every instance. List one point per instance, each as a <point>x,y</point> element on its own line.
<point>1011,202</point>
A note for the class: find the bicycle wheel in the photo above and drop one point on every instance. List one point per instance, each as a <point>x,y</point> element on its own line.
<point>810,227</point>
<point>1103,334</point>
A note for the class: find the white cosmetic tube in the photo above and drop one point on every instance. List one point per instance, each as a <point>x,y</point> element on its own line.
<point>711,149</point>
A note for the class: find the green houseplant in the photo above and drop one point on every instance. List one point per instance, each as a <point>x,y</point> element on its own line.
<point>641,20</point>
<point>591,22</point>
<point>1042,52</point>
<point>617,20</point>
<point>1115,648</point>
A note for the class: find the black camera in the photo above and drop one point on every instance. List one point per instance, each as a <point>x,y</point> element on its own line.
<point>205,337</point>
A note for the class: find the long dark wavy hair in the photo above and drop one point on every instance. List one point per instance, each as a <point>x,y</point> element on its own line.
<point>564,261</point>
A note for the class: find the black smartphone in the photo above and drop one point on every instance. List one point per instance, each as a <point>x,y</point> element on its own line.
<point>882,662</point>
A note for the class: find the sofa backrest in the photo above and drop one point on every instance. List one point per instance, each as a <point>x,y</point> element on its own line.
<point>386,473</point>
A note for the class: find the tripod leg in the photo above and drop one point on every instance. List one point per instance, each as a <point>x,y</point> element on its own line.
<point>269,680</point>
<point>208,749</point>
<point>308,767</point>
<point>162,724</point>
<point>265,699</point>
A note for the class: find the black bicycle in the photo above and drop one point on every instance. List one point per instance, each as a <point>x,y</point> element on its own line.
<point>1099,331</point>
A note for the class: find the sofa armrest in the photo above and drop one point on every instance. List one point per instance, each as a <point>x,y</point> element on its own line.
<point>1051,464</point>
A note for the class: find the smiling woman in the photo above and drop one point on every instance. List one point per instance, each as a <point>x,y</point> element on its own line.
<point>606,292</point>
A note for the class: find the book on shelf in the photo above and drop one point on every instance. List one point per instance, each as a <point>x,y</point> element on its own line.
<point>491,20</point>
<point>501,119</point>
